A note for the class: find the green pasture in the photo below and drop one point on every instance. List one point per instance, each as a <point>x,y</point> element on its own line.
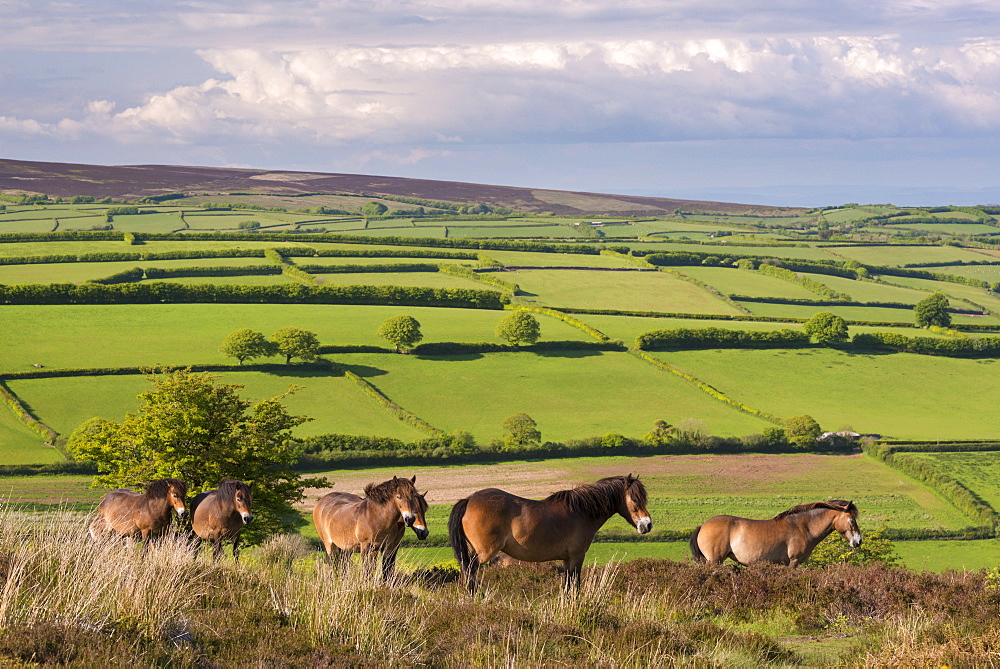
<point>513,232</point>
<point>348,260</point>
<point>898,395</point>
<point>979,472</point>
<point>901,255</point>
<point>869,291</point>
<point>527,259</point>
<point>80,223</point>
<point>336,403</point>
<point>731,281</point>
<point>59,336</point>
<point>959,291</point>
<point>724,250</point>
<point>422,279</point>
<point>643,291</point>
<point>63,272</point>
<point>948,228</point>
<point>79,247</point>
<point>432,232</point>
<point>938,556</point>
<point>571,394</point>
<point>989,273</point>
<point>20,445</point>
<point>160,222</point>
<point>876,314</point>
<point>28,225</point>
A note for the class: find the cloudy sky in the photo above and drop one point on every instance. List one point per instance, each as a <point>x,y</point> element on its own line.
<point>803,102</point>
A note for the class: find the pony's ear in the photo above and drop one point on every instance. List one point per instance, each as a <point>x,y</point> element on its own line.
<point>394,478</point>
<point>414,479</point>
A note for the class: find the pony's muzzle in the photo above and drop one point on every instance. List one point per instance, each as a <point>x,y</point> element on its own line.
<point>854,540</point>
<point>421,532</point>
<point>644,525</point>
<point>181,512</point>
<point>247,517</point>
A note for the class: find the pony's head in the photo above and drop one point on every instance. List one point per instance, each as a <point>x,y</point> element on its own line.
<point>172,490</point>
<point>633,507</point>
<point>846,521</point>
<point>403,493</point>
<point>241,496</point>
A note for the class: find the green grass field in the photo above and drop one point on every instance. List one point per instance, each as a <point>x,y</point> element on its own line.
<point>901,255</point>
<point>645,291</point>
<point>563,391</point>
<point>900,395</point>
<point>739,282</point>
<point>177,334</point>
<point>980,472</point>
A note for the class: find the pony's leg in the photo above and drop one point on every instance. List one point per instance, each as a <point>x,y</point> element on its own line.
<point>388,562</point>
<point>236,549</point>
<point>571,576</point>
<point>217,549</point>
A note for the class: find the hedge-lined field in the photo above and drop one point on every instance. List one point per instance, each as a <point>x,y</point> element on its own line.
<point>568,393</point>
<point>900,395</point>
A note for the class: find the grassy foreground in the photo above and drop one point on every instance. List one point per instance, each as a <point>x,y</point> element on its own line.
<point>69,600</point>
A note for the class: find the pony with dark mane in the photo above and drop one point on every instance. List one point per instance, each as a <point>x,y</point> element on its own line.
<point>560,527</point>
<point>219,515</point>
<point>141,516</point>
<point>376,522</point>
<point>789,538</point>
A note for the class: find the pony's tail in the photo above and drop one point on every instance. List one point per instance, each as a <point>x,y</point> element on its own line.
<point>468,561</point>
<point>695,551</point>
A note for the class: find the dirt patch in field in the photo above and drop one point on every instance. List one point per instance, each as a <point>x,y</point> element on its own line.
<point>704,473</point>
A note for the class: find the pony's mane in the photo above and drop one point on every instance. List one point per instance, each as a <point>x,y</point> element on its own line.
<point>161,488</point>
<point>595,500</point>
<point>229,487</point>
<point>381,493</point>
<point>835,504</point>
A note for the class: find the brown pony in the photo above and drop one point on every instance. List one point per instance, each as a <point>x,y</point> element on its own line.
<point>788,538</point>
<point>219,515</point>
<point>559,527</point>
<point>127,513</point>
<point>376,522</point>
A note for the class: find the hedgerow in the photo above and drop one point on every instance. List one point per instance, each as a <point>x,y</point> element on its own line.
<point>482,277</point>
<point>10,399</point>
<point>151,293</point>
<point>809,284</point>
<point>978,347</point>
<point>722,397</point>
<point>720,338</point>
<point>963,498</point>
<point>592,331</point>
<point>393,408</point>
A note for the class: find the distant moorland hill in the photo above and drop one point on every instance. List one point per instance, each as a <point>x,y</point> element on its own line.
<point>132,182</point>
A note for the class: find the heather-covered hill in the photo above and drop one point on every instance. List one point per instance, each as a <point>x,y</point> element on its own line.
<point>139,181</point>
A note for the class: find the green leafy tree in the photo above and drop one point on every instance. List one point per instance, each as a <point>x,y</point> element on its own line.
<point>296,343</point>
<point>192,428</point>
<point>519,328</point>
<point>875,548</point>
<point>802,431</point>
<point>826,328</point>
<point>247,344</point>
<point>520,430</point>
<point>660,435</point>
<point>403,332</point>
<point>373,209</point>
<point>933,310</point>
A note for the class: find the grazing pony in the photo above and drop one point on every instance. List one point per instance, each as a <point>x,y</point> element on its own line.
<point>376,522</point>
<point>145,516</point>
<point>219,515</point>
<point>559,527</point>
<point>788,538</point>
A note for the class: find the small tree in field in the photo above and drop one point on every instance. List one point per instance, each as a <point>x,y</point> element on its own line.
<point>189,427</point>
<point>295,343</point>
<point>520,430</point>
<point>519,328</point>
<point>933,310</point>
<point>802,431</point>
<point>826,328</point>
<point>403,332</point>
<point>247,344</point>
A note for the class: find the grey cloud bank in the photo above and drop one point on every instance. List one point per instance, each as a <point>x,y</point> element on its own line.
<point>660,98</point>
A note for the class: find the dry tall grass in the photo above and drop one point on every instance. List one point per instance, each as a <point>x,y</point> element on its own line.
<point>68,599</point>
